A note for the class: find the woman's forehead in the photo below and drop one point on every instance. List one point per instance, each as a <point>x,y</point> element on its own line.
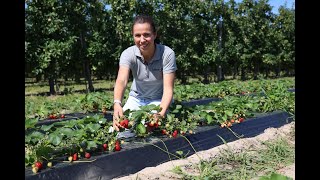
<point>142,27</point>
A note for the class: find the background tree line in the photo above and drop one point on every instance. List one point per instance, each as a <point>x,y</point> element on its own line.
<point>84,38</point>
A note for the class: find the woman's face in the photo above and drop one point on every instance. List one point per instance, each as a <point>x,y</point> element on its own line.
<point>144,37</point>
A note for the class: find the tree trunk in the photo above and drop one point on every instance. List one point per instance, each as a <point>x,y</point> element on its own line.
<point>183,78</point>
<point>38,77</point>
<point>256,70</point>
<point>77,78</point>
<point>267,73</point>
<point>206,76</point>
<point>88,75</point>
<point>220,74</point>
<point>57,85</point>
<point>277,71</point>
<point>51,85</point>
<point>86,64</point>
<point>235,72</point>
<point>243,74</point>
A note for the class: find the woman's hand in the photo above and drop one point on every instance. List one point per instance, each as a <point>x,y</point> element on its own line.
<point>117,113</point>
<point>158,117</point>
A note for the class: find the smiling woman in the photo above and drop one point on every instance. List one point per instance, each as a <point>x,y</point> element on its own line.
<point>153,69</point>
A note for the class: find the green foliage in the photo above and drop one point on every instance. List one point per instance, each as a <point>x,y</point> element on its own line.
<point>275,176</point>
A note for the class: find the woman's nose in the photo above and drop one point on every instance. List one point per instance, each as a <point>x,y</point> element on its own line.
<point>142,39</point>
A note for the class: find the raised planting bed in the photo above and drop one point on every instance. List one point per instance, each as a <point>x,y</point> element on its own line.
<point>138,153</point>
<point>72,116</point>
<point>108,115</point>
<point>200,101</point>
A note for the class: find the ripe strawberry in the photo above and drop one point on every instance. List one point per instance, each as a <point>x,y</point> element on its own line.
<point>163,131</point>
<point>51,116</point>
<point>38,165</point>
<point>232,120</point>
<point>75,157</point>
<point>87,155</point>
<point>62,116</point>
<point>241,119</point>
<point>124,123</point>
<point>105,147</point>
<point>151,124</point>
<point>117,146</point>
<point>175,133</point>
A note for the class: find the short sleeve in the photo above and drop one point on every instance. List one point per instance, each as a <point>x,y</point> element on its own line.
<point>169,64</point>
<point>126,58</point>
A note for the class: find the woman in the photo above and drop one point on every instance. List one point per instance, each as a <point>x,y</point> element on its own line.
<point>153,68</point>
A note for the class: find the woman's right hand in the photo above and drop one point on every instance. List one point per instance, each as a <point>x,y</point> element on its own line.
<point>117,113</point>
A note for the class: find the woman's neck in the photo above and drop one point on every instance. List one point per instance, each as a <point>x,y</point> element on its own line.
<point>148,56</point>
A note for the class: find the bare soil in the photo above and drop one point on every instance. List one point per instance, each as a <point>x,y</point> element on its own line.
<point>163,171</point>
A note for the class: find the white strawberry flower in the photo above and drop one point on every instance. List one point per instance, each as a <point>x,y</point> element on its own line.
<point>110,129</point>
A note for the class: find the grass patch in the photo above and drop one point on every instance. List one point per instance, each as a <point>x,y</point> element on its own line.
<point>249,163</point>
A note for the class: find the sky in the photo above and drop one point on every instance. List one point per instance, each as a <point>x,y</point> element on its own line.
<point>277,3</point>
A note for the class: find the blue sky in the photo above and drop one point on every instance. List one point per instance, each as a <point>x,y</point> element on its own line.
<point>277,3</point>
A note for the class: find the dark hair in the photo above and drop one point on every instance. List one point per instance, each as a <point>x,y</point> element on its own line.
<point>146,19</point>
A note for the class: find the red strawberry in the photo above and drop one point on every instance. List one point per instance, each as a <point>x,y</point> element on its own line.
<point>87,155</point>
<point>105,147</point>
<point>62,116</point>
<point>163,131</point>
<point>175,133</point>
<point>75,157</point>
<point>117,146</point>
<point>124,123</point>
<point>151,124</point>
<point>241,119</point>
<point>38,164</point>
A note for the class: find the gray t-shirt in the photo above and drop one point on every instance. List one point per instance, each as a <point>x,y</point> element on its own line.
<point>148,77</point>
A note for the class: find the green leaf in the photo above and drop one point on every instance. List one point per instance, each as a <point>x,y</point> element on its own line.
<point>93,127</point>
<point>55,139</point>
<point>209,119</point>
<point>46,127</point>
<point>30,123</point>
<point>65,131</point>
<point>275,176</point>
<point>91,144</point>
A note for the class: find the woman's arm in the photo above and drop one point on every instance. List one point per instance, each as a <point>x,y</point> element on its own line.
<point>119,89</point>
<point>168,85</point>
